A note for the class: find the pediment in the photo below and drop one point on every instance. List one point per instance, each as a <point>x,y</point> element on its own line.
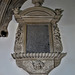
<point>38,11</point>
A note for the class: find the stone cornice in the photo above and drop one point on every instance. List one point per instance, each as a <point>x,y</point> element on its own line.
<point>38,55</point>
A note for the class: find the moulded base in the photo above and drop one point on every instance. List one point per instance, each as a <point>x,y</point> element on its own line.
<point>38,74</point>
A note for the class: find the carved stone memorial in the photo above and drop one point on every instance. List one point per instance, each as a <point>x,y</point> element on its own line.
<point>38,46</point>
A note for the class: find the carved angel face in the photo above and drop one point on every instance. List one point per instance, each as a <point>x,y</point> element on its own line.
<point>37,64</point>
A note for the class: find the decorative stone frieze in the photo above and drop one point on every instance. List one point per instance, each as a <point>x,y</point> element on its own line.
<point>38,63</point>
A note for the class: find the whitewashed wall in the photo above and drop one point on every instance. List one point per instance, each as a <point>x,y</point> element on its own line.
<point>67,29</point>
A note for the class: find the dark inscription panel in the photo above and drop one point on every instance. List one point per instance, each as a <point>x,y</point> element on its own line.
<point>37,39</point>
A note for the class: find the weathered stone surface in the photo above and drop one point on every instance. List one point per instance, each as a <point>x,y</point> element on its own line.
<point>6,13</point>
<point>35,62</point>
<point>29,58</point>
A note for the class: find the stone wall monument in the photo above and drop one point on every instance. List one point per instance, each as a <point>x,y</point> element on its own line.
<point>38,46</point>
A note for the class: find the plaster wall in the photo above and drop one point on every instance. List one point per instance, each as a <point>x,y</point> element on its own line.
<point>67,29</point>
